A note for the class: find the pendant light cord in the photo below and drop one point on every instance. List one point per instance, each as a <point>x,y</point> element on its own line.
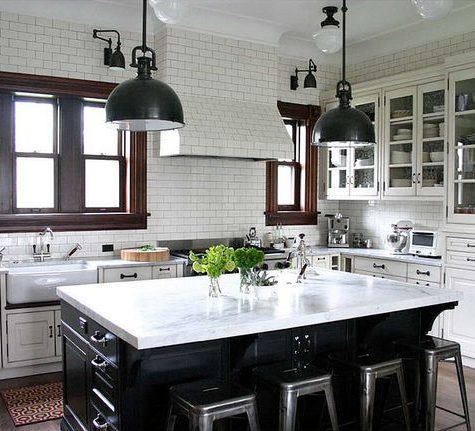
<point>344,9</point>
<point>144,26</point>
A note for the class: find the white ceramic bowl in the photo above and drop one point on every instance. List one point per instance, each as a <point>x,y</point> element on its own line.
<point>437,156</point>
<point>405,137</point>
<point>398,157</point>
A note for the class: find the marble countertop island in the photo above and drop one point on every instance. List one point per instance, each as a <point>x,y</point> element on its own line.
<point>158,313</point>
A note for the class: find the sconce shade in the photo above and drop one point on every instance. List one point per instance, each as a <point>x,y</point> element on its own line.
<point>310,81</point>
<point>144,104</point>
<point>345,127</point>
<point>117,60</point>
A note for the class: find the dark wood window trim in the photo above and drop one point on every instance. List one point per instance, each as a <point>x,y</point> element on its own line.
<point>71,216</point>
<point>307,214</point>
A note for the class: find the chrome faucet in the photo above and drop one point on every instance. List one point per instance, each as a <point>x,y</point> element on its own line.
<point>42,250</point>
<point>300,253</point>
<point>72,250</point>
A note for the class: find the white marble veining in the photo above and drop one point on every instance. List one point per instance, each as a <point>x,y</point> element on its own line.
<point>377,253</point>
<point>158,313</point>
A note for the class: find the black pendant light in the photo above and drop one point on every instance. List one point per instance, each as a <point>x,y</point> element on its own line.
<point>344,126</point>
<point>143,103</point>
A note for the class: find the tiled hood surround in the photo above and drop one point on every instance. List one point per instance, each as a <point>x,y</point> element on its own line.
<point>219,127</point>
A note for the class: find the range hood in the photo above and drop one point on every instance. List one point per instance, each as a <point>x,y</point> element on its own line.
<point>218,127</point>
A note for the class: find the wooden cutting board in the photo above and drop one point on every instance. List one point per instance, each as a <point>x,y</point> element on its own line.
<point>136,255</point>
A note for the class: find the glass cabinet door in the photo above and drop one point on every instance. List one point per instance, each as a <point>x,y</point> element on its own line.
<point>364,160</point>
<point>431,137</point>
<point>338,177</point>
<point>461,193</point>
<point>399,141</point>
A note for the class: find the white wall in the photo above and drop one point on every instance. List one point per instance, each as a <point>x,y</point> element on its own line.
<point>187,197</point>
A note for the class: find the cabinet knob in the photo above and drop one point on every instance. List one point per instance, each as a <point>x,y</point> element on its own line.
<point>99,423</point>
<point>99,363</point>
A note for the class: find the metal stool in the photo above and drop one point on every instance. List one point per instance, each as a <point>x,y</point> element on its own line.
<point>369,368</point>
<point>430,351</point>
<point>293,383</point>
<point>205,401</point>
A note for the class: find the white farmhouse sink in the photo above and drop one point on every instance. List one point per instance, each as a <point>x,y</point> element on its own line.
<point>37,282</point>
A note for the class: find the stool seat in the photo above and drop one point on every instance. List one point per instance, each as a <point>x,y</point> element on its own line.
<point>205,401</point>
<point>368,367</point>
<point>430,351</point>
<point>294,382</point>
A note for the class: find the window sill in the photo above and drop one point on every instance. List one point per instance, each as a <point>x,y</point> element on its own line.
<point>71,222</point>
<point>289,218</point>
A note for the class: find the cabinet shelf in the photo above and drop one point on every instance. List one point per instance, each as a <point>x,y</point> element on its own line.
<point>472,181</point>
<point>400,165</point>
<point>363,167</point>
<point>338,168</point>
<point>434,115</point>
<point>463,113</point>
<point>402,120</point>
<point>441,164</point>
<point>408,141</point>
<point>436,139</point>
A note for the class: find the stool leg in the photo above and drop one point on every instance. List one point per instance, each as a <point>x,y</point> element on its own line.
<point>252,418</point>
<point>288,410</point>
<point>402,391</point>
<point>331,407</point>
<point>205,423</point>
<point>463,391</point>
<point>171,419</point>
<point>430,389</point>
<point>368,388</point>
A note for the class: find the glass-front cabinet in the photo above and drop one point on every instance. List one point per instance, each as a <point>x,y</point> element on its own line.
<point>414,141</point>
<point>461,141</point>
<point>353,173</point>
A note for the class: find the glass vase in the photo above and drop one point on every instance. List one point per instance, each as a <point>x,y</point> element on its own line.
<point>214,289</point>
<point>246,280</point>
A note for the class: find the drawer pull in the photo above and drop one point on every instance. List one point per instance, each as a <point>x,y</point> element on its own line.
<point>470,259</point>
<point>99,423</point>
<point>58,334</point>
<point>99,363</point>
<point>99,339</point>
<point>418,272</point>
<point>164,269</point>
<point>376,266</point>
<point>470,245</point>
<point>122,276</point>
<point>51,331</point>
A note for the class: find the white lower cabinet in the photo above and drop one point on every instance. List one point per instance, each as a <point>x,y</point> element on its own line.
<point>33,337</point>
<point>460,322</point>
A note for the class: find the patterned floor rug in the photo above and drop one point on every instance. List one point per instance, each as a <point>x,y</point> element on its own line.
<point>34,404</point>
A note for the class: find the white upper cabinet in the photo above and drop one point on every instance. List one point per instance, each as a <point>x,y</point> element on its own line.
<point>461,143</point>
<point>353,173</point>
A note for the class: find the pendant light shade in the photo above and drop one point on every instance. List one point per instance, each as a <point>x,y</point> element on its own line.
<point>344,126</point>
<point>328,38</point>
<point>310,81</point>
<point>143,103</point>
<point>433,9</point>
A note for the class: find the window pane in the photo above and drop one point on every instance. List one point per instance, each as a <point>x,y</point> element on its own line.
<point>102,184</point>
<point>98,138</point>
<point>286,187</point>
<point>34,125</point>
<point>34,182</point>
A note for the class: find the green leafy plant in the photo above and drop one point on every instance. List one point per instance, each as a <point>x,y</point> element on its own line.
<point>216,260</point>
<point>262,279</point>
<point>147,248</point>
<point>248,258</point>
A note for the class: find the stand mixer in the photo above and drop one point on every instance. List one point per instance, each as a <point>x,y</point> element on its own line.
<point>398,239</point>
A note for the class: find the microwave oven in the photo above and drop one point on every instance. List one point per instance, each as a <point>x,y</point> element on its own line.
<point>427,243</point>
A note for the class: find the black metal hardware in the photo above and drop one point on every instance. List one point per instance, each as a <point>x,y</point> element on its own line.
<point>98,338</point>
<point>164,269</point>
<point>419,178</point>
<point>112,59</point>
<point>309,82</point>
<point>382,266</point>
<point>58,334</point>
<point>470,259</point>
<point>414,178</point>
<point>122,276</point>
<point>470,245</point>
<point>51,331</point>
<point>418,272</point>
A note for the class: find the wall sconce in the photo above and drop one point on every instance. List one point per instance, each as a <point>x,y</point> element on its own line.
<point>115,60</point>
<point>309,81</point>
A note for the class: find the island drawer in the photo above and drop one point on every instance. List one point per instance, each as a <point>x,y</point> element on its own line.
<point>424,283</point>
<point>380,266</point>
<point>465,260</point>
<point>96,335</point>
<point>461,244</point>
<point>129,273</point>
<point>423,272</point>
<point>386,277</point>
<point>104,377</point>
<point>164,271</point>
<point>102,418</point>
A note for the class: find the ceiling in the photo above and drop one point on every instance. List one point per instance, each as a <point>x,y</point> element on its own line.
<point>375,27</point>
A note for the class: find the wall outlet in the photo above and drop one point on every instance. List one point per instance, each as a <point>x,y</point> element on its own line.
<point>107,247</point>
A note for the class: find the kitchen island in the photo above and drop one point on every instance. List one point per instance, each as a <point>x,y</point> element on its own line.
<point>125,344</point>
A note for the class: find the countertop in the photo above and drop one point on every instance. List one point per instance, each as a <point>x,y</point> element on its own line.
<point>157,313</point>
<point>375,253</point>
